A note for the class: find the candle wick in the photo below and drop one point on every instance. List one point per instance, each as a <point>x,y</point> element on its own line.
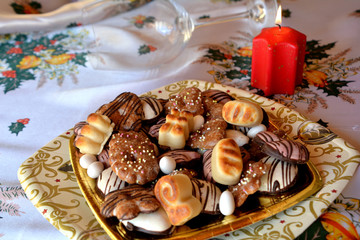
<point>279,26</point>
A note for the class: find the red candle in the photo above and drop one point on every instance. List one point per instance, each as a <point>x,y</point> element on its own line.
<point>278,60</point>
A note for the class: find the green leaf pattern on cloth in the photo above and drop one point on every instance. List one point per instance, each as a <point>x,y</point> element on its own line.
<point>24,57</point>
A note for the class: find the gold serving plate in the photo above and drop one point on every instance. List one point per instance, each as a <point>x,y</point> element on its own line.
<point>257,207</point>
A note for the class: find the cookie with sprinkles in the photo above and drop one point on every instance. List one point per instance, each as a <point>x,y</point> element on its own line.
<point>208,135</point>
<point>132,156</point>
<point>250,181</point>
<point>213,109</point>
<point>188,99</point>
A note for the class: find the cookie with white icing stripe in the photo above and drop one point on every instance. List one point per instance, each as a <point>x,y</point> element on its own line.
<point>183,158</point>
<point>266,136</point>
<point>208,194</point>
<point>207,166</point>
<point>155,223</point>
<point>217,95</point>
<point>280,176</point>
<point>152,108</point>
<point>287,150</point>
<point>108,182</point>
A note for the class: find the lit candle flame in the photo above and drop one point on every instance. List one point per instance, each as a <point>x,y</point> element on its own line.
<point>278,16</point>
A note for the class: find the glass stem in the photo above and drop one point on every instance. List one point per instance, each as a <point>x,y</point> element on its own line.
<point>220,19</point>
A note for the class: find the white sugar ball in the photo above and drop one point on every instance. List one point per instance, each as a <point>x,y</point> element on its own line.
<point>95,169</point>
<point>198,122</point>
<point>255,130</point>
<point>167,164</point>
<point>226,203</point>
<point>240,138</point>
<point>87,159</point>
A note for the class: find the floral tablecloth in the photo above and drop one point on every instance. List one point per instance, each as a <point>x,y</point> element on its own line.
<point>47,84</point>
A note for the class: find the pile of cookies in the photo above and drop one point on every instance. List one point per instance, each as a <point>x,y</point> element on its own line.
<point>159,163</point>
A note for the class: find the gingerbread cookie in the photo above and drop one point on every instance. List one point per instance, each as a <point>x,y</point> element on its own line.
<point>104,156</point>
<point>154,129</point>
<point>129,202</point>
<point>249,183</point>
<point>266,136</point>
<point>208,194</point>
<point>133,157</point>
<point>208,135</point>
<point>188,99</point>
<point>125,111</point>
<point>212,108</point>
<point>207,166</point>
<point>217,95</point>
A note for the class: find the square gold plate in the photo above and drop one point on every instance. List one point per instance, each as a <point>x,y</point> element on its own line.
<point>257,207</point>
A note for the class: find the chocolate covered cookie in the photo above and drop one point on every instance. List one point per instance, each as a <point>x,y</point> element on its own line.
<point>129,202</point>
<point>125,111</point>
<point>287,150</point>
<point>217,95</point>
<point>280,176</point>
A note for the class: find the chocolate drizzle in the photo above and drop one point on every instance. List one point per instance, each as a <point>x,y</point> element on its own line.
<point>217,95</point>
<point>207,165</point>
<point>286,150</point>
<point>154,104</point>
<point>281,175</point>
<point>108,182</point>
<point>125,111</point>
<point>128,202</point>
<point>208,194</point>
<point>183,158</point>
<point>266,136</point>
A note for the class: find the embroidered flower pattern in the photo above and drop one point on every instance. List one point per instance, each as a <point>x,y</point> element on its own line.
<point>144,49</point>
<point>140,20</point>
<point>26,7</point>
<point>231,65</point>
<point>46,58</point>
